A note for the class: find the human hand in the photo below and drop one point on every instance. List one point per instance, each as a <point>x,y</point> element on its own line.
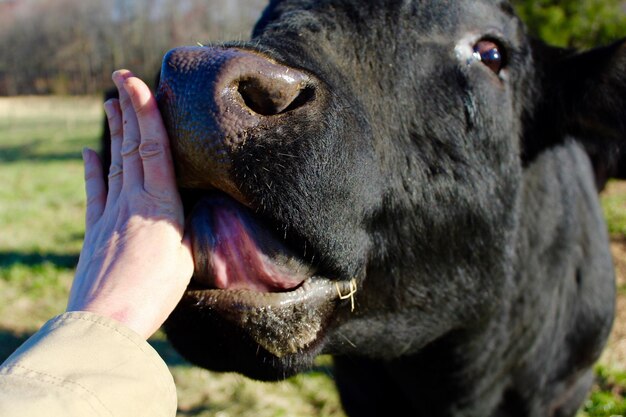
<point>136,261</point>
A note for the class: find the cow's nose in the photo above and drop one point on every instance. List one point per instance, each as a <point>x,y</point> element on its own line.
<point>267,88</point>
<point>212,99</point>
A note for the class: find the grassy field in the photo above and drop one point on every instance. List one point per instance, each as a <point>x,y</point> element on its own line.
<point>41,224</point>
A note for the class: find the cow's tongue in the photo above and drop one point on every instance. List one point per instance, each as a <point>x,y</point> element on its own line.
<point>232,251</point>
<point>250,279</point>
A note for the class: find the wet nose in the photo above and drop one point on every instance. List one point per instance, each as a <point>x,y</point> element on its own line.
<point>212,99</point>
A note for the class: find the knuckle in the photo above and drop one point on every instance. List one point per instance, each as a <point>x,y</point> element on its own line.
<point>113,117</point>
<point>115,172</point>
<point>91,177</point>
<point>116,131</point>
<point>154,206</point>
<point>162,198</point>
<point>150,148</point>
<point>96,199</point>
<point>161,201</point>
<point>115,127</point>
<point>91,174</point>
<point>130,146</point>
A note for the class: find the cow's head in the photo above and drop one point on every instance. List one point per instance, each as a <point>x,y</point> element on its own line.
<point>367,152</point>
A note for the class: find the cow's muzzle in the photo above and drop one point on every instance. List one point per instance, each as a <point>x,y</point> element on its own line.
<point>214,100</point>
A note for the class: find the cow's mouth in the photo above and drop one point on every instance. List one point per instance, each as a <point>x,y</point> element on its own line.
<point>252,279</point>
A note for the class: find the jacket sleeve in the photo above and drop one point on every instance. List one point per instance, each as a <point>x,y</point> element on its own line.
<point>83,364</point>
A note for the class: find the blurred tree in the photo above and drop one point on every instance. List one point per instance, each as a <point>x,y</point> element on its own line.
<point>72,46</point>
<point>574,23</point>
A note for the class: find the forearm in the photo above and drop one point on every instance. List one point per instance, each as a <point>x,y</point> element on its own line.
<point>84,364</point>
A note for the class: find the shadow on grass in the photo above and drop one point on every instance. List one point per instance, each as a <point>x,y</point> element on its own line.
<point>195,411</point>
<point>168,353</point>
<point>29,152</point>
<point>9,341</point>
<point>8,259</point>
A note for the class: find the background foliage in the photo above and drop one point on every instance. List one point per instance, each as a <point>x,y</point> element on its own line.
<point>574,23</point>
<point>72,46</point>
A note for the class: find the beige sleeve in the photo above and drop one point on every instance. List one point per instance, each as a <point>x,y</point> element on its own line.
<point>82,364</point>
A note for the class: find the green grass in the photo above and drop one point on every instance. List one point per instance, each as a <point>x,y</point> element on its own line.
<point>41,203</point>
<point>41,219</point>
<point>614,206</point>
<point>607,396</point>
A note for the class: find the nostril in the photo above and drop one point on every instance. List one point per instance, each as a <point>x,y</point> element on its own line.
<point>272,97</point>
<point>305,95</point>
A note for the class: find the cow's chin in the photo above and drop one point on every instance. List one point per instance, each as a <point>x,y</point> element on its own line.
<point>253,306</point>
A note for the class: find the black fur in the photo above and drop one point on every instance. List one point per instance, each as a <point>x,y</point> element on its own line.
<point>465,203</point>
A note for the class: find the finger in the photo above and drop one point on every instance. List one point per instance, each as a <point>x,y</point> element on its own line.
<point>94,188</point>
<point>132,175</point>
<point>187,257</point>
<point>154,150</point>
<point>114,118</point>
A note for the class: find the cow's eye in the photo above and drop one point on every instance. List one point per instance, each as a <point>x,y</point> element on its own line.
<point>490,54</point>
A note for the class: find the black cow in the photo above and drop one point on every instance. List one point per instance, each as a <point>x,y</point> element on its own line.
<point>408,185</point>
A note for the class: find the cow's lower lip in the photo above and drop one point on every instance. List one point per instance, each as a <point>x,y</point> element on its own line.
<point>282,323</point>
<point>250,278</point>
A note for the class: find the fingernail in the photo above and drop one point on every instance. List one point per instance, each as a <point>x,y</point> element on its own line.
<point>120,75</point>
<point>116,75</point>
